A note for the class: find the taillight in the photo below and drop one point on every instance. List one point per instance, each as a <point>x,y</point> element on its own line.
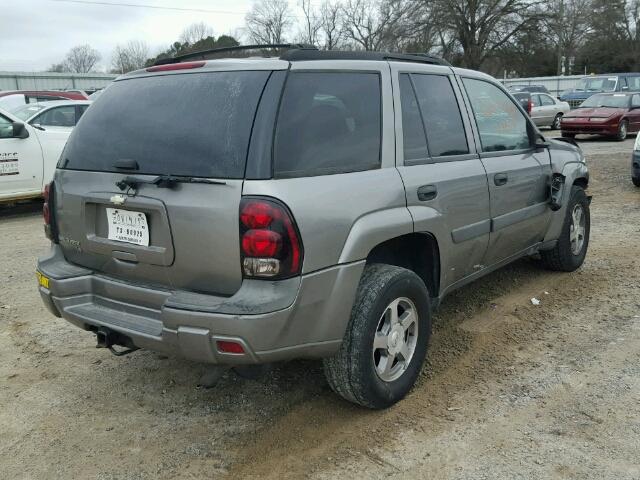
<point>269,239</point>
<point>530,107</point>
<point>47,212</point>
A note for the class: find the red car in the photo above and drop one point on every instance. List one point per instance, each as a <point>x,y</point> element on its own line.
<point>13,98</point>
<point>611,114</point>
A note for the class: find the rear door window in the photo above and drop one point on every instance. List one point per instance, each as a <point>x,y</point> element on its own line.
<point>441,115</point>
<point>413,137</point>
<point>194,124</point>
<point>547,100</point>
<point>329,122</point>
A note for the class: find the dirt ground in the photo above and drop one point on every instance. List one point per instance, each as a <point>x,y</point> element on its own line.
<point>510,390</point>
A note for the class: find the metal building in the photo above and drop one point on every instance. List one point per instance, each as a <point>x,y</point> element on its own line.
<point>53,81</point>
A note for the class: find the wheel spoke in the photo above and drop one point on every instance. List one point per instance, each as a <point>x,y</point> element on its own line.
<point>572,234</point>
<point>380,341</point>
<point>407,318</point>
<point>404,352</point>
<point>388,363</point>
<point>393,308</point>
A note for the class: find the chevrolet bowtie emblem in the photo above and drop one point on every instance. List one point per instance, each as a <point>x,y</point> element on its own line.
<point>118,199</point>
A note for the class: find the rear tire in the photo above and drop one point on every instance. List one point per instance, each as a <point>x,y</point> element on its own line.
<point>623,130</point>
<point>382,353</point>
<point>556,122</point>
<point>636,181</point>
<point>571,248</point>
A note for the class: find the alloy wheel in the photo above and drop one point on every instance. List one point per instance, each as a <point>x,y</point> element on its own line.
<point>395,340</point>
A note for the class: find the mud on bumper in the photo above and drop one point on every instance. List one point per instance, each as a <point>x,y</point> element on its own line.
<point>302,317</point>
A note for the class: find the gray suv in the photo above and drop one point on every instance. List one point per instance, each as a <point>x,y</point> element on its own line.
<point>317,204</point>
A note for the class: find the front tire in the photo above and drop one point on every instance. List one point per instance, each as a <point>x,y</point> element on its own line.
<point>571,248</point>
<point>623,130</point>
<point>636,180</point>
<point>386,340</point>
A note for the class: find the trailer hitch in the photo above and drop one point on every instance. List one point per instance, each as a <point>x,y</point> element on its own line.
<point>108,338</point>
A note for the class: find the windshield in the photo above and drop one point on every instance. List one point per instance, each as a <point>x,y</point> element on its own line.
<point>597,84</point>
<point>610,101</point>
<point>194,124</point>
<point>25,112</point>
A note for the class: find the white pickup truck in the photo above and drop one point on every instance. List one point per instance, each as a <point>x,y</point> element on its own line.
<point>31,140</point>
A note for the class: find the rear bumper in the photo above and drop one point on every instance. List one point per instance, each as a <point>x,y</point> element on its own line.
<point>302,317</point>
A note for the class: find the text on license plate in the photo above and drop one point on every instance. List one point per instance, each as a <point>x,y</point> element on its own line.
<point>128,226</point>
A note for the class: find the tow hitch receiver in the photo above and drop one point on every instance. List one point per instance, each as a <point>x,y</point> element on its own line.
<point>557,190</point>
<point>108,338</point>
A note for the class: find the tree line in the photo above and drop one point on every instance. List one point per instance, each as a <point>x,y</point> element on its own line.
<point>501,37</point>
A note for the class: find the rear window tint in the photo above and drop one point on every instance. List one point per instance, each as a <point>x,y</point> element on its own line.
<point>441,115</point>
<point>328,123</point>
<point>195,124</point>
<point>414,140</point>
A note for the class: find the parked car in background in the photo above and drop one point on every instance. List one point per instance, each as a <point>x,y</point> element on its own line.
<point>635,163</point>
<point>257,239</point>
<point>58,114</point>
<point>547,111</point>
<point>30,144</point>
<point>611,114</point>
<point>10,99</point>
<point>528,88</point>
<point>524,99</point>
<point>587,86</point>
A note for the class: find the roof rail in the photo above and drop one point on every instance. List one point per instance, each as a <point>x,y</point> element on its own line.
<point>301,55</point>
<point>213,51</point>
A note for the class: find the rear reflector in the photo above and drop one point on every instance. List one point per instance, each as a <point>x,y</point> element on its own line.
<point>229,347</point>
<point>176,66</point>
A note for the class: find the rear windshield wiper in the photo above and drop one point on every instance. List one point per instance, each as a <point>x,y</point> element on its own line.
<point>164,181</point>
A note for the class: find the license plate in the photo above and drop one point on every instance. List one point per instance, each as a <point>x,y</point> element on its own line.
<point>128,226</point>
<point>42,280</point>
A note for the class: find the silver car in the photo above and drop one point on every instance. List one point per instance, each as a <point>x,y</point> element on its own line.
<point>547,111</point>
<point>319,204</point>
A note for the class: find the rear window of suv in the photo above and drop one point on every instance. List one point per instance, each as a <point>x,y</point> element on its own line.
<point>329,122</point>
<point>195,124</point>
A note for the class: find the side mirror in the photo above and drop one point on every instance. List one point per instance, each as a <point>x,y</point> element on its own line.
<point>19,130</point>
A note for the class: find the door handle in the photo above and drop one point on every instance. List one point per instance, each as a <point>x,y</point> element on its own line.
<point>427,192</point>
<point>500,179</point>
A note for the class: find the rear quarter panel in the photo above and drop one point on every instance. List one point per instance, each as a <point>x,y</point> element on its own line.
<point>342,217</point>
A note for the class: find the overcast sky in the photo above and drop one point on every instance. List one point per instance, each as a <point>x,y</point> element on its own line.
<point>38,33</point>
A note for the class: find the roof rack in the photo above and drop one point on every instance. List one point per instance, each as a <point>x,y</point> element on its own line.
<point>213,51</point>
<point>315,54</point>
